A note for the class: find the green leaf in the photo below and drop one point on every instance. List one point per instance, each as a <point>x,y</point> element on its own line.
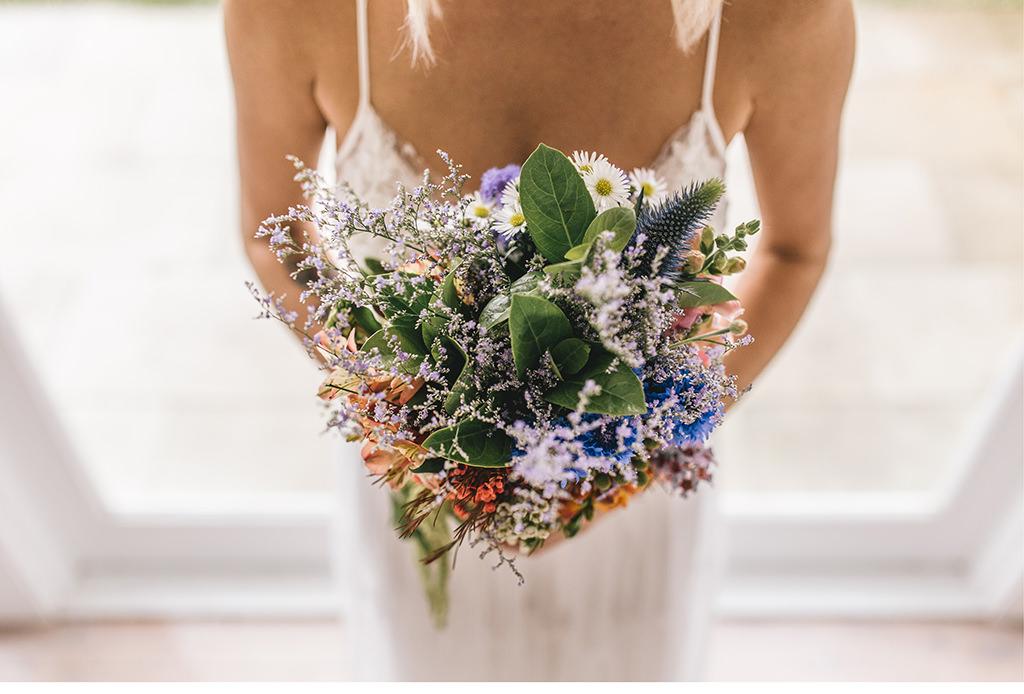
<point>444,295</point>
<point>408,298</point>
<point>622,393</point>
<point>698,293</point>
<point>460,371</point>
<point>569,267</point>
<point>536,325</point>
<point>448,294</point>
<point>570,355</point>
<point>364,318</point>
<point>497,309</point>
<point>373,267</point>
<point>621,221</point>
<point>471,442</point>
<point>528,283</point>
<point>408,340</point>
<point>430,465</point>
<point>431,328</point>
<point>556,203</point>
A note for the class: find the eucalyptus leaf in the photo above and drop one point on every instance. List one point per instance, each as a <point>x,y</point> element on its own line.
<point>701,293</point>
<point>556,203</point>
<point>621,394</point>
<point>472,443</point>
<point>535,325</point>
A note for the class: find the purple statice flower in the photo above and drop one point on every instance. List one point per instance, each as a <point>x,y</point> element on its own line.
<point>494,180</point>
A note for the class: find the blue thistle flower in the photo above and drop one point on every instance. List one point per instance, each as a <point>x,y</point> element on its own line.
<point>673,224</point>
<point>494,180</point>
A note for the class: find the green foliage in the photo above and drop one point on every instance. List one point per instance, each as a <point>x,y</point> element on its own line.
<point>460,374</point>
<point>557,206</point>
<point>535,325</point>
<point>622,393</point>
<point>621,221</point>
<point>570,355</point>
<point>497,309</point>
<point>471,442</point>
<point>701,293</point>
<point>445,295</point>
<point>716,249</point>
<point>569,268</point>
<point>431,465</point>
<point>410,299</point>
<point>364,319</point>
<point>407,337</point>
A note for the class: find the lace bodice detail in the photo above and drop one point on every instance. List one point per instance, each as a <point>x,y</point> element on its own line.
<point>372,159</point>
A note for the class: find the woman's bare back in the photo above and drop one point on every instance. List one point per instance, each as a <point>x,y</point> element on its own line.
<point>574,75</point>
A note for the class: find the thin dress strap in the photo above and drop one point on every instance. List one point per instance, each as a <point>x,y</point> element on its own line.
<point>707,104</point>
<point>363,44</point>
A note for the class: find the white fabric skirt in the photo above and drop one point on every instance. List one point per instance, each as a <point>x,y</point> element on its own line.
<point>628,599</point>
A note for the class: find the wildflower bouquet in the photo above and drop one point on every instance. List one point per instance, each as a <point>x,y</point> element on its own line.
<point>520,359</point>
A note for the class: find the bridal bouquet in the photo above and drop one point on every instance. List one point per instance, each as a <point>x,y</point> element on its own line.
<point>518,359</point>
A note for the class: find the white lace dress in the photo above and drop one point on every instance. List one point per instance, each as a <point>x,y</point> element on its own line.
<point>629,599</point>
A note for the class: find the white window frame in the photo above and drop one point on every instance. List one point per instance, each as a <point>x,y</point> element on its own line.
<point>955,553</point>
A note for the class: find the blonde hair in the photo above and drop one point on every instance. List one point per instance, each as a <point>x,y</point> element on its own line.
<point>692,19</point>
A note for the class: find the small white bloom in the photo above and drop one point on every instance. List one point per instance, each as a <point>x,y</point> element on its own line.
<point>510,195</point>
<point>478,210</point>
<point>585,161</point>
<point>607,185</point>
<point>511,221</point>
<point>650,183</point>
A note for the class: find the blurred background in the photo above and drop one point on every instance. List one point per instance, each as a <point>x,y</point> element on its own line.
<point>164,448</point>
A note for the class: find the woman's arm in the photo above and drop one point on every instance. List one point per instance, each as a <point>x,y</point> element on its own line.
<point>799,86</point>
<point>277,115</point>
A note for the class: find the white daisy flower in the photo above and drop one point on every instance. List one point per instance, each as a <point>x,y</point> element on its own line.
<point>510,195</point>
<point>478,209</point>
<point>650,183</point>
<point>585,161</point>
<point>511,221</point>
<point>607,185</point>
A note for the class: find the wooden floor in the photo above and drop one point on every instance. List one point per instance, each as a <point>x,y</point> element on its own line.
<point>740,650</point>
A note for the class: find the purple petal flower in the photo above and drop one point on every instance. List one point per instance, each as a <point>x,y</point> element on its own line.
<point>493,182</point>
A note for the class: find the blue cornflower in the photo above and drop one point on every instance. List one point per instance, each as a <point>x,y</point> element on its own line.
<point>603,441</point>
<point>493,182</point>
<point>682,433</point>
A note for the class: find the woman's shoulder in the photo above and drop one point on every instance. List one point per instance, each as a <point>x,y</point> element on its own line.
<point>291,27</point>
<point>293,36</point>
<point>786,37</point>
<point>787,18</point>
